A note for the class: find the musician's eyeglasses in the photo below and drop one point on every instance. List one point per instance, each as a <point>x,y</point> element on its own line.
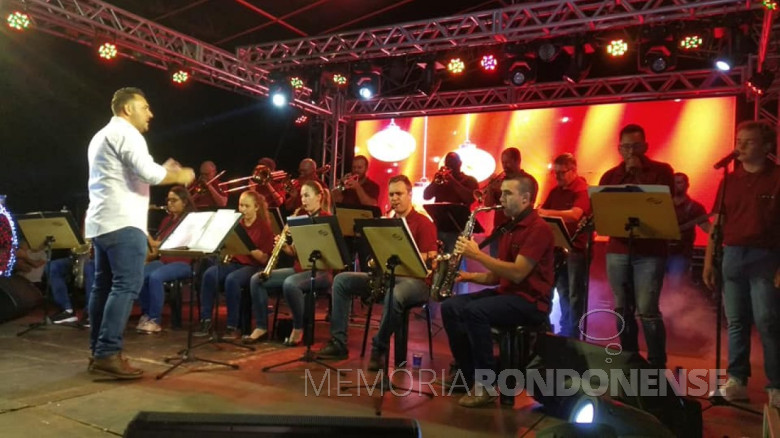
<point>560,172</point>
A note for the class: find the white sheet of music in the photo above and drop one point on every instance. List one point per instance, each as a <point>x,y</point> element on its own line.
<point>202,231</point>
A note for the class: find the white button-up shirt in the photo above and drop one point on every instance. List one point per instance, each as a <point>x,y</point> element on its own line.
<point>120,172</point>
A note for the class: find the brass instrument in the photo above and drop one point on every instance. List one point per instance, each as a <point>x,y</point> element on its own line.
<point>481,193</point>
<point>79,258</point>
<point>261,175</point>
<point>448,264</point>
<point>273,258</point>
<point>342,184</point>
<point>377,283</point>
<point>200,187</point>
<point>442,175</point>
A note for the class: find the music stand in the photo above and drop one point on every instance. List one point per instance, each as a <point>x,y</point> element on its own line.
<point>560,233</point>
<point>319,246</point>
<point>199,235</point>
<point>52,230</point>
<point>633,212</point>
<point>391,241</point>
<point>451,217</point>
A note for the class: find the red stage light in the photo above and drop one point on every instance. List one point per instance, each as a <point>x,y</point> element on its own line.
<point>107,51</point>
<point>617,48</point>
<point>301,120</point>
<point>456,66</point>
<point>488,63</point>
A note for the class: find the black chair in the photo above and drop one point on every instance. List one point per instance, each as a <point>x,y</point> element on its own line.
<point>278,291</point>
<point>402,334</point>
<point>516,346</point>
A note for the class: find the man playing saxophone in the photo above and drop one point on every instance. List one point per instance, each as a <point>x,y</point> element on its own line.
<point>407,292</point>
<point>522,277</point>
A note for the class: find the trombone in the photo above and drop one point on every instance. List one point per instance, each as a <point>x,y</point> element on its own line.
<point>261,175</point>
<point>200,187</point>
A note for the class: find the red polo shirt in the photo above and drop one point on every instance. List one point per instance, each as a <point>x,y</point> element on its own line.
<point>751,208</point>
<point>263,238</point>
<point>566,198</point>
<point>652,172</point>
<point>202,200</point>
<point>423,231</point>
<point>532,238</point>
<point>370,187</point>
<point>687,211</point>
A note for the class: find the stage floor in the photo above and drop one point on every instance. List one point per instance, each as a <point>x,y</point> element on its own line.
<point>45,389</point>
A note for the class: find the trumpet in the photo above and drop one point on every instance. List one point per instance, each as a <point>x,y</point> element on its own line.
<point>482,192</point>
<point>201,187</point>
<point>442,175</point>
<point>342,184</point>
<point>261,175</point>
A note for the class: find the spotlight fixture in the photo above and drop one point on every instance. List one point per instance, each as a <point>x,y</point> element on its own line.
<point>365,81</point>
<point>617,48</point>
<point>180,77</point>
<point>760,83</point>
<point>301,120</point>
<point>624,419</point>
<point>280,90</point>
<point>339,79</point>
<point>547,52</point>
<point>18,20</point>
<point>579,63</point>
<point>659,57</point>
<point>107,51</point>
<point>428,82</point>
<point>456,66</point>
<point>488,63</point>
<point>691,42</point>
<point>296,82</point>
<point>522,72</point>
<point>734,49</point>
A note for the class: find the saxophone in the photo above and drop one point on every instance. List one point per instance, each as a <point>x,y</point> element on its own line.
<point>448,264</point>
<point>377,284</point>
<point>273,259</point>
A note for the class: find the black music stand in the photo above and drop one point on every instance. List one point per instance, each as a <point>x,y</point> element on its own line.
<point>390,240</point>
<point>633,212</point>
<point>451,217</point>
<point>51,230</point>
<point>199,235</point>
<point>319,245</point>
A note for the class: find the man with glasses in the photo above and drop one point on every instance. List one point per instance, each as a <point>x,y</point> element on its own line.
<point>569,201</point>
<point>648,255</point>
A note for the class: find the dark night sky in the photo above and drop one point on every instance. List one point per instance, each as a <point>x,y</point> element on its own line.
<point>56,94</point>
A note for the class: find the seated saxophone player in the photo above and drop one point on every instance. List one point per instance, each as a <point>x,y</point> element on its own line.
<point>358,188</point>
<point>295,281</point>
<point>205,190</point>
<point>60,272</point>
<point>160,269</point>
<point>236,273</point>
<point>522,278</point>
<point>407,292</point>
<point>307,171</point>
<point>569,201</point>
<point>273,191</point>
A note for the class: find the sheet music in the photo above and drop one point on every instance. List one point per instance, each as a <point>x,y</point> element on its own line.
<point>202,231</point>
<point>646,188</point>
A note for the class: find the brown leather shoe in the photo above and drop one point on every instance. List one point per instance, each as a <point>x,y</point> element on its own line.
<point>115,366</point>
<point>478,396</point>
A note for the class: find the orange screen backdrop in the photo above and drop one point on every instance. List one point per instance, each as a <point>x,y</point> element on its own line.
<point>688,134</point>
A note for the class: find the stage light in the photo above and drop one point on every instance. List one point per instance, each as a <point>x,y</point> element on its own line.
<point>579,64</point>
<point>770,5</point>
<point>624,419</point>
<point>280,90</point>
<point>18,20</point>
<point>456,66</point>
<point>658,59</point>
<point>107,51</point>
<point>522,72</point>
<point>339,79</point>
<point>180,77</point>
<point>488,63</point>
<point>617,48</point>
<point>691,42</point>
<point>296,82</point>
<point>547,52</point>
<point>9,242</point>
<point>301,120</point>
<point>723,63</point>
<point>760,83</point>
<point>365,81</point>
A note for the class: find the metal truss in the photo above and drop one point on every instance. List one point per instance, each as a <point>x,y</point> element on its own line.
<point>517,23</point>
<point>334,142</point>
<point>671,85</point>
<point>155,45</point>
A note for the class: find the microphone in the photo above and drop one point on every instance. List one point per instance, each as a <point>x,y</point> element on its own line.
<point>725,161</point>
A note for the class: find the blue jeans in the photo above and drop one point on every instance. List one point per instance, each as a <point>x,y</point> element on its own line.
<point>295,285</point>
<point>648,279</point>
<point>407,292</point>
<point>749,295</point>
<point>156,273</point>
<point>570,283</point>
<point>467,320</point>
<point>259,290</point>
<point>345,286</point>
<point>119,275</point>
<point>234,276</point>
<point>59,271</point>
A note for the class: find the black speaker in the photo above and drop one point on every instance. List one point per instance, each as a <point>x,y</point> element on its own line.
<point>17,297</point>
<point>198,425</point>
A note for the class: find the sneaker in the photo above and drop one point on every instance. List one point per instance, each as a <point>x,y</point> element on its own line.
<point>774,397</point>
<point>230,333</point>
<point>142,320</point>
<point>377,361</point>
<point>84,321</point>
<point>205,329</point>
<point>115,366</point>
<point>479,396</point>
<point>64,317</point>
<point>732,391</point>
<point>149,327</point>
<point>333,350</point>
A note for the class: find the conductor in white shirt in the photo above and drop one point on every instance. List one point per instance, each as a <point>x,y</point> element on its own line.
<point>120,173</point>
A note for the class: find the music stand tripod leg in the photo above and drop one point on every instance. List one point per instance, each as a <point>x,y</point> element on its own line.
<point>216,337</point>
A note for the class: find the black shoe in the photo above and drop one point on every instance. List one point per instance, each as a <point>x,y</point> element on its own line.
<point>64,317</point>
<point>231,333</point>
<point>333,350</point>
<point>377,361</point>
<point>205,329</point>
